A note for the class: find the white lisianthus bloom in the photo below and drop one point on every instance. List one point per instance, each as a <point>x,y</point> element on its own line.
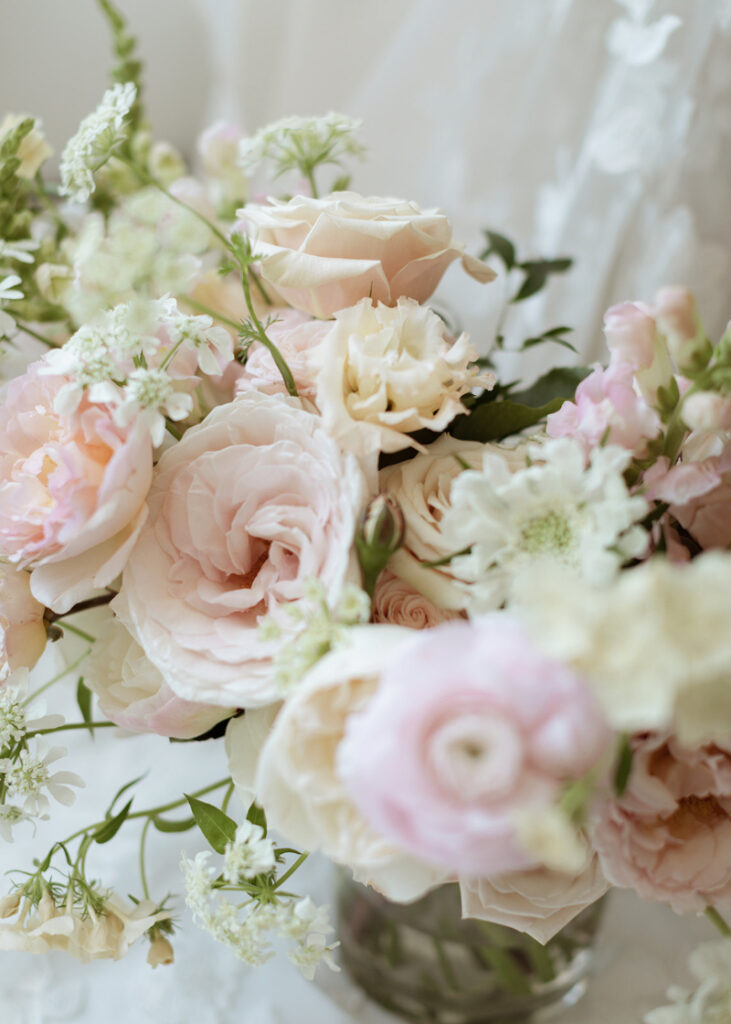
<point>711,1002</point>
<point>384,372</point>
<point>655,644</point>
<point>98,135</point>
<point>555,509</point>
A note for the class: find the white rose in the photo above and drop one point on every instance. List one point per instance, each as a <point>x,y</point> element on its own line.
<point>297,781</point>
<point>383,373</point>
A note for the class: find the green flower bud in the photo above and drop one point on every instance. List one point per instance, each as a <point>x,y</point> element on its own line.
<point>381,532</point>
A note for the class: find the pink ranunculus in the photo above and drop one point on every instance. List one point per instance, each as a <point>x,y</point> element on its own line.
<point>249,506</point>
<point>72,490</point>
<point>607,410</point>
<point>669,836</point>
<point>397,602</point>
<point>326,254</point>
<point>295,335</point>
<point>469,730</point>
<point>630,331</point>
<point>540,902</point>
<point>22,629</point>
<point>133,694</point>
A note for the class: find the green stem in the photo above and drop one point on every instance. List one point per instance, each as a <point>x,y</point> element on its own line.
<point>34,334</point>
<point>172,429</point>
<point>290,871</point>
<point>58,677</point>
<point>227,797</point>
<point>276,355</point>
<point>719,922</point>
<point>78,632</point>
<point>201,307</point>
<point>73,725</point>
<point>143,873</point>
<point>310,175</point>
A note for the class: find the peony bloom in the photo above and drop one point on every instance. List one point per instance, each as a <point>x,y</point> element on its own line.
<point>72,490</point>
<point>383,373</point>
<point>249,506</point>
<point>325,254</point>
<point>654,644</point>
<point>397,602</point>
<point>555,510</point>
<point>295,335</point>
<point>22,629</point>
<point>297,777</point>
<point>480,730</point>
<point>607,410</point>
<point>133,694</point>
<point>540,902</point>
<point>669,836</point>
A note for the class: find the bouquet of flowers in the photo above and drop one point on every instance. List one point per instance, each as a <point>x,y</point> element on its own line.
<point>453,629</point>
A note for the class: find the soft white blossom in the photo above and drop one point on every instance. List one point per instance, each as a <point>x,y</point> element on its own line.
<point>149,396</point>
<point>10,816</point>
<point>29,777</point>
<point>301,142</point>
<point>710,1003</point>
<point>251,854</point>
<point>16,718</point>
<point>198,333</point>
<point>97,137</point>
<point>21,250</point>
<point>554,509</point>
<point>8,289</point>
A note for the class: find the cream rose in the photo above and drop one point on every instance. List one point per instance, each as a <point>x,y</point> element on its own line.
<point>22,629</point>
<point>325,254</point>
<point>297,780</point>
<point>383,373</point>
<point>249,506</point>
<point>395,602</point>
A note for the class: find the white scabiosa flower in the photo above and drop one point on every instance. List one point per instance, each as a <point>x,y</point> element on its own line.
<point>98,136</point>
<point>554,509</point>
<point>711,1002</point>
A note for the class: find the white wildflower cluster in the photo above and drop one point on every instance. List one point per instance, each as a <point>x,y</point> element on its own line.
<point>301,142</point>
<point>26,776</point>
<point>312,629</point>
<point>250,929</point>
<point>553,509</point>
<point>99,134</point>
<point>710,1003</point>
<point>8,292</point>
<point>21,251</point>
<point>125,360</point>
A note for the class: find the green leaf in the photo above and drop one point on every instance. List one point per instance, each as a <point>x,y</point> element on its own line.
<point>537,273</point>
<point>83,699</point>
<point>496,420</point>
<point>623,768</point>
<point>342,184</point>
<point>123,789</point>
<point>544,339</point>
<point>256,816</point>
<point>561,382</point>
<point>173,826</point>
<point>108,829</point>
<point>501,247</point>
<point>216,826</point>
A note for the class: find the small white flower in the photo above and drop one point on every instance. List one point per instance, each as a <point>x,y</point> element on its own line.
<point>301,142</point>
<point>10,816</point>
<point>711,1001</point>
<point>308,956</point>
<point>149,396</point>
<point>554,510</point>
<point>8,290</point>
<point>198,877</point>
<point>15,718</point>
<point>29,776</point>
<point>251,854</point>
<point>198,333</point>
<point>98,135</point>
<point>21,251</point>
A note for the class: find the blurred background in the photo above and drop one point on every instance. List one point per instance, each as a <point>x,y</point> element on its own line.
<point>598,129</point>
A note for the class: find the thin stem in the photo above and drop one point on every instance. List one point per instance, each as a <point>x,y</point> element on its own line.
<point>288,874</point>
<point>276,355</point>
<point>310,175</point>
<point>84,606</point>
<point>34,334</point>
<point>56,678</point>
<point>201,307</point>
<point>719,922</point>
<point>73,725</point>
<point>143,873</point>
<point>172,429</point>
<point>78,632</point>
<point>227,797</point>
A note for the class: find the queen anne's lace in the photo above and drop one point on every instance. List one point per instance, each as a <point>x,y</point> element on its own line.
<point>98,135</point>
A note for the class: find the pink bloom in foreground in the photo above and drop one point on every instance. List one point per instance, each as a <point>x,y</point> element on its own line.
<point>72,490</point>
<point>470,728</point>
<point>607,410</point>
<point>249,506</point>
<point>669,836</point>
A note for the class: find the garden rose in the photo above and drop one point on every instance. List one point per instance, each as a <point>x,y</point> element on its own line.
<point>72,490</point>
<point>325,254</point>
<point>22,629</point>
<point>396,602</point>
<point>298,781</point>
<point>295,335</point>
<point>480,730</point>
<point>133,694</point>
<point>539,902</point>
<point>669,835</point>
<point>250,505</point>
<point>383,373</point>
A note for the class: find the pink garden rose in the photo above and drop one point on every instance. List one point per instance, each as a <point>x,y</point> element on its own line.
<point>326,254</point>
<point>469,729</point>
<point>607,410</point>
<point>72,490</point>
<point>249,506</point>
<point>133,694</point>
<point>295,335</point>
<point>397,602</point>
<point>669,836</point>
<point>22,629</point>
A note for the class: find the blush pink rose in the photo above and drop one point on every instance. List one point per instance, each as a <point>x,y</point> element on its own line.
<point>72,490</point>
<point>326,254</point>
<point>22,629</point>
<point>397,602</point>
<point>249,506</point>
<point>295,335</point>
<point>470,728</point>
<point>607,410</point>
<point>669,836</point>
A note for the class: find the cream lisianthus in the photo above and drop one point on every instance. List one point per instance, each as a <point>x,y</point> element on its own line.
<point>655,644</point>
<point>553,510</point>
<point>385,372</point>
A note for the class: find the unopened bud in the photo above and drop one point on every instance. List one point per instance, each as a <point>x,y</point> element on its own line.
<point>706,410</point>
<point>9,905</point>
<point>675,310</point>
<point>381,533</point>
<point>161,951</point>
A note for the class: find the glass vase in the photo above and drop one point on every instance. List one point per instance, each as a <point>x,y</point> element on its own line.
<point>424,962</point>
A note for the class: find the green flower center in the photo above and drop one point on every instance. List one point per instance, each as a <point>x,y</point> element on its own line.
<point>549,532</point>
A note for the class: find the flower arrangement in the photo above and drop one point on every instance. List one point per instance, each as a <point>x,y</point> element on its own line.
<point>452,629</point>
